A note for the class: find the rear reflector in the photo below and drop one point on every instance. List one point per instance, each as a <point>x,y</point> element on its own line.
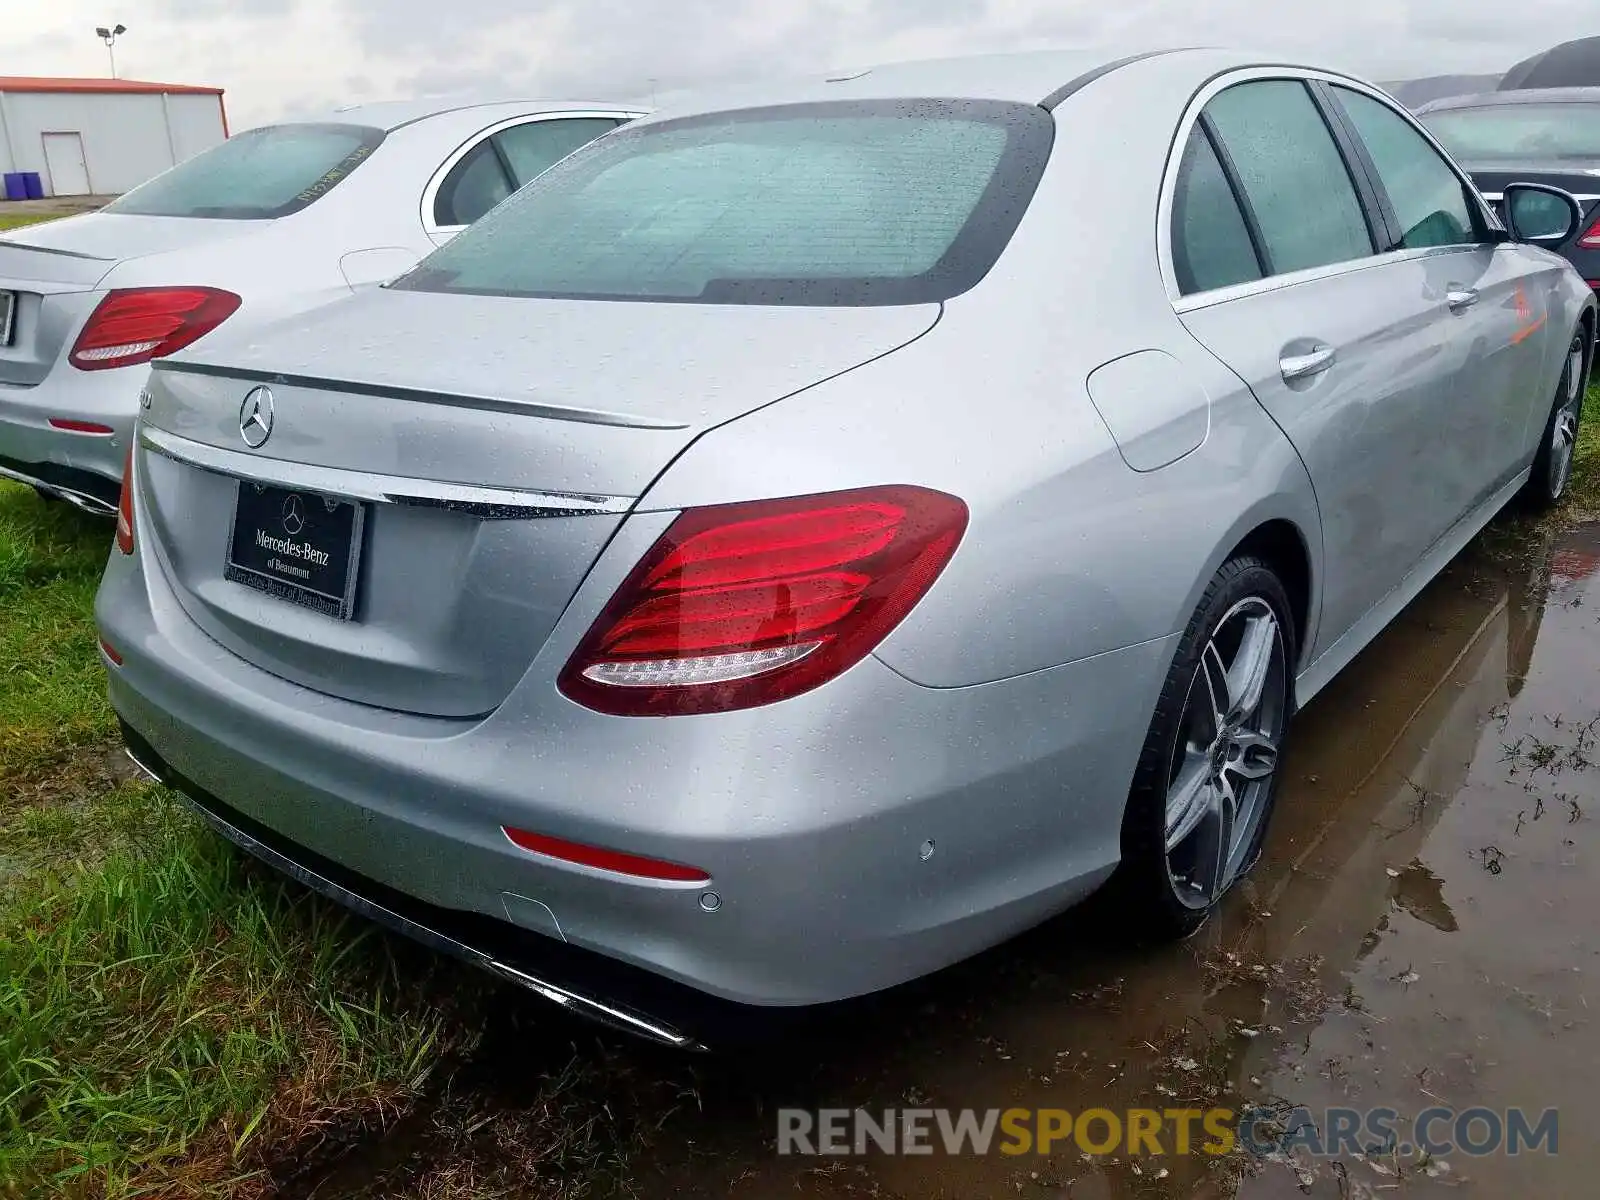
<point>111,652</point>
<point>125,506</point>
<point>81,426</point>
<point>615,861</point>
<point>134,325</point>
<point>744,604</point>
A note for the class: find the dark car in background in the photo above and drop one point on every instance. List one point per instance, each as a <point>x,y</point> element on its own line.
<point>1570,64</point>
<point>1544,135</point>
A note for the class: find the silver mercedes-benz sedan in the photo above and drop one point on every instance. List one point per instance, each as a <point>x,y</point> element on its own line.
<point>816,532</point>
<point>275,220</point>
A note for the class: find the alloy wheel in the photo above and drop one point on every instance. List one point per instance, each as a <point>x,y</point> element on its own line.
<point>1232,725</point>
<point>1564,429</point>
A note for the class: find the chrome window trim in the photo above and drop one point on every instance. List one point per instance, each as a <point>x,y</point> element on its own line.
<point>430,194</point>
<point>1580,197</point>
<point>1288,279</point>
<point>1169,187</point>
<point>486,503</point>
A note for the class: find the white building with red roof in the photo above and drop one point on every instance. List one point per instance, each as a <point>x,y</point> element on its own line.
<point>103,136</point>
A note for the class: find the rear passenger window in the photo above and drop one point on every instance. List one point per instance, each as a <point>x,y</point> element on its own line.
<point>499,165</point>
<point>1292,173</point>
<point>1211,245</point>
<point>533,148</point>
<point>1428,198</point>
<point>475,185</point>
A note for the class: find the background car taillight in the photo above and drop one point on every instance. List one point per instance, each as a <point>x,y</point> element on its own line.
<point>134,325</point>
<point>744,604</point>
<point>125,506</point>
<point>1590,238</point>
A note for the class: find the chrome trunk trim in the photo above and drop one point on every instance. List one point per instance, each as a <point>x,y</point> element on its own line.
<point>486,503</point>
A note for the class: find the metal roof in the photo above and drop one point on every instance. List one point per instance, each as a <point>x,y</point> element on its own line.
<point>115,87</point>
<point>1559,95</point>
<point>1029,77</point>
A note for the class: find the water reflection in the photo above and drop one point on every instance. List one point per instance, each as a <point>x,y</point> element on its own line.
<point>1369,959</point>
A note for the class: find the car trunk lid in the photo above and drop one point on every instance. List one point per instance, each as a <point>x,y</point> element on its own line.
<point>54,269</point>
<point>495,444</point>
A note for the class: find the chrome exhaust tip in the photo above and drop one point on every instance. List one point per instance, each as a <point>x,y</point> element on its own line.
<point>92,505</point>
<point>82,501</point>
<point>143,768</point>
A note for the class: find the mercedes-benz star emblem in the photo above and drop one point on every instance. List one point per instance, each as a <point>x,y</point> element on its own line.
<point>294,516</point>
<point>255,417</point>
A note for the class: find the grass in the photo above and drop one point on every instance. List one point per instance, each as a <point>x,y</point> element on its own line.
<point>1585,494</point>
<point>18,220</point>
<point>173,1020</point>
<point>51,687</point>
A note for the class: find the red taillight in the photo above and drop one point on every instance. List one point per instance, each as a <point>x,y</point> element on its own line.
<point>134,325</point>
<point>618,861</point>
<point>1590,238</point>
<point>743,604</point>
<point>125,506</point>
<point>71,426</point>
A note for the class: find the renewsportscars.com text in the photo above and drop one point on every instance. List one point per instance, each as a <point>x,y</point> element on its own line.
<point>1133,1132</point>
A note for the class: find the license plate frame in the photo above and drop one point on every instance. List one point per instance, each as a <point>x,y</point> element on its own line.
<point>300,547</point>
<point>8,317</point>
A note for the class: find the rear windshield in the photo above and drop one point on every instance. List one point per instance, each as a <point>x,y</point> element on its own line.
<point>1518,131</point>
<point>848,203</point>
<point>257,175</point>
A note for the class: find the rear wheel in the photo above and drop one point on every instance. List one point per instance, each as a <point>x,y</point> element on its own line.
<point>1552,466</point>
<point>1207,778</point>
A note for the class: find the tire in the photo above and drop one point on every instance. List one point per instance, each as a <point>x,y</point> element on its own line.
<point>47,497</point>
<point>1170,880</point>
<point>1552,465</point>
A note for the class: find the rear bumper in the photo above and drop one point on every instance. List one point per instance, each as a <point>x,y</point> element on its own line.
<point>587,985</point>
<point>87,490</point>
<point>84,468</point>
<point>811,816</point>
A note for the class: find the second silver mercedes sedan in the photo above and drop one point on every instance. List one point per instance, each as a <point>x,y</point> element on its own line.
<point>275,220</point>
<point>818,531</point>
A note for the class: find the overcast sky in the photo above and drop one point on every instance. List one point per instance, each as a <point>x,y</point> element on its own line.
<point>278,57</point>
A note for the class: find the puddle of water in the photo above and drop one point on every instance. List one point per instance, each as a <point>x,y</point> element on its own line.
<point>1421,931</point>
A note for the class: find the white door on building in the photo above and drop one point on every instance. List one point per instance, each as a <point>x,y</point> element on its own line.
<point>65,161</point>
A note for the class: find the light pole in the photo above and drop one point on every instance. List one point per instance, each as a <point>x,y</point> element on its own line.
<point>109,37</point>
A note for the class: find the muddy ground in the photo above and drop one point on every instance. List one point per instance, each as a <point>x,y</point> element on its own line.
<point>54,206</point>
<point>1422,930</point>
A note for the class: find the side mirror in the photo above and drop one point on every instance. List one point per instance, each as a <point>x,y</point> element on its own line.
<point>1540,214</point>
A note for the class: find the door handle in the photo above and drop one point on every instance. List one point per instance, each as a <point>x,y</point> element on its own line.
<point>1459,298</point>
<point>1303,366</point>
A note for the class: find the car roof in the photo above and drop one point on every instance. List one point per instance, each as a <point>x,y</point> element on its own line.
<point>1030,77</point>
<point>1040,77</point>
<point>1568,95</point>
<point>390,115</point>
